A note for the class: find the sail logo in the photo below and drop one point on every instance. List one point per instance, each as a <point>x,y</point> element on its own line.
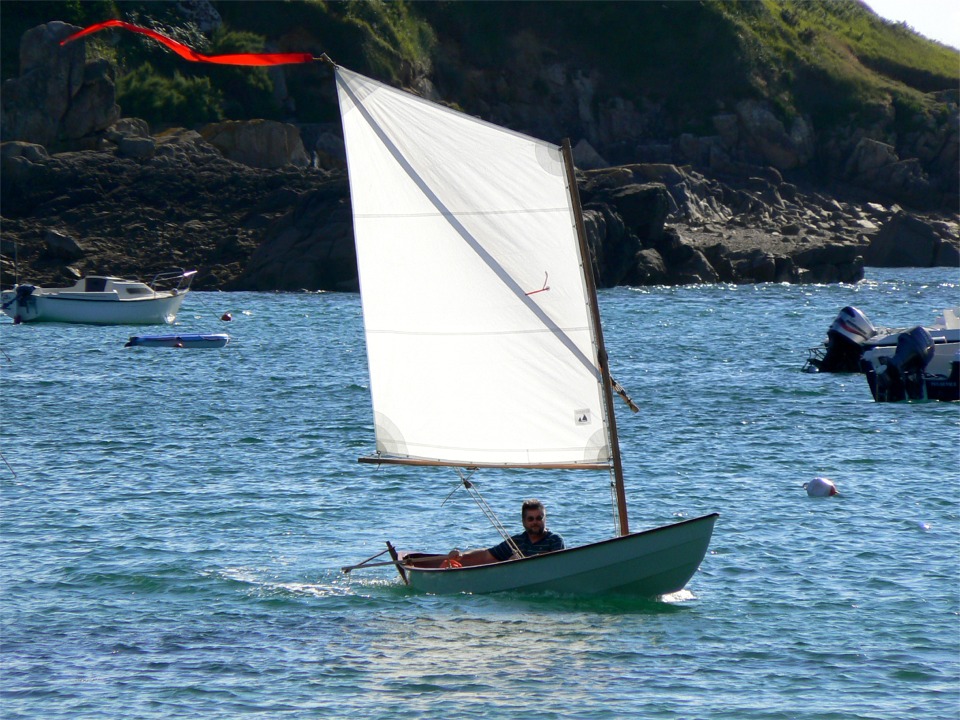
<point>582,417</point>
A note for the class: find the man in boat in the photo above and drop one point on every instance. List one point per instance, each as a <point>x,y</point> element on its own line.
<point>534,540</point>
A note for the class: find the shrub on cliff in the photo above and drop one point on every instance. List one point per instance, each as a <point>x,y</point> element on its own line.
<point>168,100</point>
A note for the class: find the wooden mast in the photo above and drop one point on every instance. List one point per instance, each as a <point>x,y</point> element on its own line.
<point>586,259</point>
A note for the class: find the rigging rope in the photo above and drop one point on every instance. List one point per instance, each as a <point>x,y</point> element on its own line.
<point>618,389</point>
<point>486,510</point>
<point>613,504</point>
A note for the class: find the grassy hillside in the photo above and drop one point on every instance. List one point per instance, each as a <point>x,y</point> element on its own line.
<point>833,60</point>
<point>828,59</point>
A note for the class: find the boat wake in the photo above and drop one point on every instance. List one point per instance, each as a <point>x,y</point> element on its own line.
<point>336,585</point>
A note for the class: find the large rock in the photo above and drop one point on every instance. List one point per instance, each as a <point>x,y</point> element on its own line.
<point>908,241</point>
<point>63,246</point>
<point>185,206</point>
<point>644,209</point>
<point>876,165</point>
<point>310,247</point>
<point>830,263</point>
<point>35,103</point>
<point>685,263</point>
<point>258,143</point>
<point>613,248</point>
<point>766,134</point>
<point>94,107</point>
<point>690,196</point>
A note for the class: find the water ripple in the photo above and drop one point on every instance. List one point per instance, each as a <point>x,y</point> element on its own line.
<point>171,540</point>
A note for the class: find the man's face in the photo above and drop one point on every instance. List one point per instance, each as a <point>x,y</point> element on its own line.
<point>534,520</point>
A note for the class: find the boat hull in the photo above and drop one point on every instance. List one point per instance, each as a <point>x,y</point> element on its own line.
<point>103,310</point>
<point>851,337</point>
<point>645,564</point>
<point>939,380</point>
<point>213,340</point>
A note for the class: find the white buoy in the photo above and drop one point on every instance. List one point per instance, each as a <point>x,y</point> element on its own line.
<point>820,487</point>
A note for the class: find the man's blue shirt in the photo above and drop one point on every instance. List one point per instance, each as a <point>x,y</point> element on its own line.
<point>548,543</point>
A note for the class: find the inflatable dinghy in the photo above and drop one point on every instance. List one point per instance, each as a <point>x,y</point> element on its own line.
<point>214,340</point>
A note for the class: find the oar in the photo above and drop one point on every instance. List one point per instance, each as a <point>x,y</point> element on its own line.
<point>347,568</point>
<point>367,564</point>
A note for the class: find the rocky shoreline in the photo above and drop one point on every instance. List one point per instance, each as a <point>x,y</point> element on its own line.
<point>175,200</point>
<point>263,205</point>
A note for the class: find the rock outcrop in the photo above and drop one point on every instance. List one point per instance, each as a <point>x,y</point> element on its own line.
<point>59,97</point>
<point>906,240</point>
<point>263,205</point>
<point>258,143</point>
<point>184,204</point>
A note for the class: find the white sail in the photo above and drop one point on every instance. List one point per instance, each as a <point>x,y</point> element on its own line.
<point>458,225</point>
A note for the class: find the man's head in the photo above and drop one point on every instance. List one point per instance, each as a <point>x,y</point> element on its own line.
<point>534,516</point>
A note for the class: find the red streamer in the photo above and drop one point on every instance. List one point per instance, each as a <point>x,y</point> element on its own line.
<point>187,53</point>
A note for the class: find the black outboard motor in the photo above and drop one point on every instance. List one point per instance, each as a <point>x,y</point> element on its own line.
<point>903,376</point>
<point>845,340</point>
<point>22,299</point>
<point>23,294</point>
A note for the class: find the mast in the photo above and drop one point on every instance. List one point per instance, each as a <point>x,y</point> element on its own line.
<point>585,259</point>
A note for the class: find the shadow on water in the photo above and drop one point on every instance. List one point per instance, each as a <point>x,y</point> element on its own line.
<point>544,602</point>
<point>389,590</point>
<point>599,604</point>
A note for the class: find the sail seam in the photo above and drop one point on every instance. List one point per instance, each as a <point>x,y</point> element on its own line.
<point>470,334</point>
<point>462,213</point>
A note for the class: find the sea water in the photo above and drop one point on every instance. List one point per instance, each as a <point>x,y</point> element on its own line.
<point>174,522</point>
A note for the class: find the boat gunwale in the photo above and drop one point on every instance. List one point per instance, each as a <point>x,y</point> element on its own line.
<point>111,296</point>
<point>565,551</point>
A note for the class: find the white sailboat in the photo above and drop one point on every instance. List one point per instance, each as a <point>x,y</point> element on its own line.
<point>483,330</point>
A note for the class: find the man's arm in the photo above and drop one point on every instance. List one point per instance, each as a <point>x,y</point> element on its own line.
<point>473,557</point>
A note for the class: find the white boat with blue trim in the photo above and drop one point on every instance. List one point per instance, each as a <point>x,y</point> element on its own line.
<point>483,333</point>
<point>101,300</point>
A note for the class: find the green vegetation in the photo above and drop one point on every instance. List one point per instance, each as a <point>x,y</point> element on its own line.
<point>397,43</point>
<point>836,59</point>
<point>146,94</point>
<point>832,60</point>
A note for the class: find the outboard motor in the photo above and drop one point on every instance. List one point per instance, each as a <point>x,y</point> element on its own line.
<point>23,293</point>
<point>903,376</point>
<point>21,299</point>
<point>845,340</point>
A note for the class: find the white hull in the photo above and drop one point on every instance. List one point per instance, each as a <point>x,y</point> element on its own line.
<point>939,379</point>
<point>101,300</point>
<point>944,355</point>
<point>852,336</point>
<point>98,311</point>
<point>645,564</point>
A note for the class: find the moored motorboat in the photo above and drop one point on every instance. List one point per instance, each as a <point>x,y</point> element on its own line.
<point>101,300</point>
<point>916,369</point>
<point>851,335</point>
<point>187,340</point>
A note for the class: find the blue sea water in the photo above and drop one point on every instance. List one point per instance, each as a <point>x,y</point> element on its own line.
<point>174,522</point>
